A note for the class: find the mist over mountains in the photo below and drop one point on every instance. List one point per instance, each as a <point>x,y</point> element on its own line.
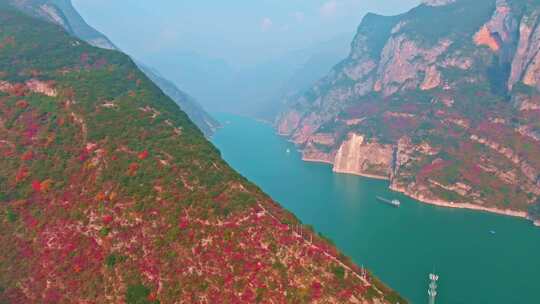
<point>256,90</point>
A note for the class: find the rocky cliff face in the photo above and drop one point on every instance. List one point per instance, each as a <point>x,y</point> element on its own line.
<point>356,156</point>
<point>443,100</point>
<point>62,13</point>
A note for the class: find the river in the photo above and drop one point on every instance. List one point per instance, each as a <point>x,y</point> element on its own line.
<point>401,246</point>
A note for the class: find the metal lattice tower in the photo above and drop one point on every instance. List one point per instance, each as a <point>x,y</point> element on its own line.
<point>432,291</point>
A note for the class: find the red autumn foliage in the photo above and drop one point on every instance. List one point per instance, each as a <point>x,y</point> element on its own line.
<point>491,129</point>
<point>31,222</point>
<point>28,155</point>
<point>52,296</point>
<point>472,173</point>
<point>184,223</point>
<point>19,89</point>
<point>152,297</point>
<point>316,290</point>
<point>21,104</point>
<point>83,157</point>
<point>143,155</point>
<point>22,174</point>
<point>133,168</point>
<point>248,296</point>
<point>31,131</point>
<point>107,219</point>
<point>429,169</point>
<point>60,121</point>
<point>36,186</point>
<point>363,109</point>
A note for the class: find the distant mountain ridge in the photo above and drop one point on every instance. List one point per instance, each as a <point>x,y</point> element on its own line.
<point>443,101</point>
<point>63,13</point>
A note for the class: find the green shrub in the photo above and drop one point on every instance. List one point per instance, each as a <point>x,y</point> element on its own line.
<point>138,294</point>
<point>339,272</point>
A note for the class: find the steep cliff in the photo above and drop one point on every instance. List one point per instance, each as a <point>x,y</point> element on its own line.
<point>63,13</point>
<point>357,156</point>
<point>110,194</point>
<point>451,88</point>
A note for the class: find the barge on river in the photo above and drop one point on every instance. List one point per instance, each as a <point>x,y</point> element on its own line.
<point>396,203</point>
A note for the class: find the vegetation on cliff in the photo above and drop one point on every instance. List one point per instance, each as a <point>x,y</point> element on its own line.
<point>452,88</point>
<point>62,13</point>
<point>110,194</point>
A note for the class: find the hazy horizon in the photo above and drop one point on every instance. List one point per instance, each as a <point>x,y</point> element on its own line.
<point>237,56</point>
<point>240,32</point>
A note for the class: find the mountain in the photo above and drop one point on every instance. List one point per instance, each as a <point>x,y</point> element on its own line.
<point>188,104</point>
<point>311,64</point>
<point>63,13</point>
<point>254,90</point>
<point>110,194</point>
<point>443,101</point>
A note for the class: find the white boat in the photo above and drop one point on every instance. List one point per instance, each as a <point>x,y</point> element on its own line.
<point>394,202</point>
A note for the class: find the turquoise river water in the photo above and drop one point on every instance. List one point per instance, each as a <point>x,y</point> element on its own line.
<point>401,246</point>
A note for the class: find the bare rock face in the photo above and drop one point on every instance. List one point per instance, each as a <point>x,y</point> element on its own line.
<point>432,79</point>
<point>358,156</point>
<point>531,73</point>
<point>500,30</point>
<point>486,38</point>
<point>450,106</point>
<point>402,60</point>
<point>525,65</point>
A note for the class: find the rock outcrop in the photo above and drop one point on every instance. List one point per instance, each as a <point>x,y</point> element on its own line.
<point>526,63</point>
<point>357,156</point>
<point>450,101</point>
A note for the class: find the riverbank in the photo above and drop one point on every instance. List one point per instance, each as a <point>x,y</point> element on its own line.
<point>428,200</point>
<point>379,177</point>
<point>325,161</point>
<point>344,208</point>
<point>446,204</point>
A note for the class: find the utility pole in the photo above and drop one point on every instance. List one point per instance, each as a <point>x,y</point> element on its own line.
<point>432,291</point>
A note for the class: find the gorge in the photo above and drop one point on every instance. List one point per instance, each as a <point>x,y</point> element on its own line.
<point>442,101</point>
<point>401,246</point>
<point>116,186</point>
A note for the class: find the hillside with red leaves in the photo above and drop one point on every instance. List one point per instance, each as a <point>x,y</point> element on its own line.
<point>110,194</point>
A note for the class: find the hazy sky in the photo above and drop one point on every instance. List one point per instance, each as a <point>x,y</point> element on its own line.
<point>239,31</point>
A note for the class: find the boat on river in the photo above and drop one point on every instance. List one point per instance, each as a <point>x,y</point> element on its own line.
<point>394,202</point>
